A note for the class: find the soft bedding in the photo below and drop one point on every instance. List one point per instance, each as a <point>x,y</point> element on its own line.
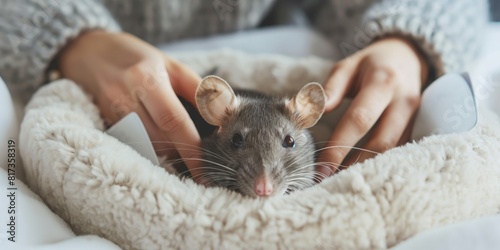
<point>59,237</point>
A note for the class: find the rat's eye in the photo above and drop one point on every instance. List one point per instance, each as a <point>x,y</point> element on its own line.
<point>237,140</point>
<point>288,142</point>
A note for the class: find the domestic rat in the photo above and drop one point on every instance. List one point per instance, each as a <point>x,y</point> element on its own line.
<point>255,144</point>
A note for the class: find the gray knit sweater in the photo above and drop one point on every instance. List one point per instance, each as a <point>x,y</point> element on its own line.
<point>33,31</point>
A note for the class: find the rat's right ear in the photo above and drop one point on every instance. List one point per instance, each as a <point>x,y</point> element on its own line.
<point>214,98</point>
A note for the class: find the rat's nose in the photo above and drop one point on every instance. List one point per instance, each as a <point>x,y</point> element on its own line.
<point>263,187</point>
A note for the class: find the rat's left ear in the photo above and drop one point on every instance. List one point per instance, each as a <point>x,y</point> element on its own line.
<point>308,105</point>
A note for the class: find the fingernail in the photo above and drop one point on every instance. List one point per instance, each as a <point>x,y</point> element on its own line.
<point>329,171</point>
<point>328,96</point>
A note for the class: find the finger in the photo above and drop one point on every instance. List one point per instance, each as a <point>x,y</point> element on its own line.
<point>407,133</point>
<point>364,111</point>
<point>184,80</point>
<point>324,169</point>
<point>114,111</point>
<point>338,83</point>
<point>160,142</point>
<point>120,106</point>
<point>168,114</point>
<point>393,123</point>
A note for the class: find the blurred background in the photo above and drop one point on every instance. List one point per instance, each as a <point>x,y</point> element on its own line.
<point>495,10</point>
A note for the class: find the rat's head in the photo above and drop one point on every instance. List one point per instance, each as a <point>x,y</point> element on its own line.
<point>262,146</point>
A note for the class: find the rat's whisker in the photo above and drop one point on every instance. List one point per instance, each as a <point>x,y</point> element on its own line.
<point>205,173</point>
<point>329,147</point>
<point>319,142</point>
<point>213,162</point>
<point>299,159</point>
<point>357,159</point>
<point>318,179</point>
<point>306,178</point>
<point>324,148</point>
<point>320,164</point>
<point>223,179</point>
<point>324,175</point>
<point>223,156</point>
<point>209,161</point>
<point>206,151</point>
<point>216,170</point>
<point>297,179</point>
<point>212,177</point>
<point>189,146</point>
<point>203,149</point>
<point>295,185</point>
<point>356,148</point>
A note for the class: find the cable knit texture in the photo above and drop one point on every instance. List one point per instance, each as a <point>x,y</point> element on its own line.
<point>447,34</point>
<point>33,31</point>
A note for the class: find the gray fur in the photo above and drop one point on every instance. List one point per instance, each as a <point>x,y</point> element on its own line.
<point>263,122</point>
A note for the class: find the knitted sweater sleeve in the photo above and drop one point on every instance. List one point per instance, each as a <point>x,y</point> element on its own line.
<point>33,31</point>
<point>447,32</point>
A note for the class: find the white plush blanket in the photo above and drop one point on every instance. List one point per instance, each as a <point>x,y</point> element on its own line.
<point>101,186</point>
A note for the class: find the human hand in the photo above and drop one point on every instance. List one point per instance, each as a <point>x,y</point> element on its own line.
<point>125,74</point>
<point>385,79</point>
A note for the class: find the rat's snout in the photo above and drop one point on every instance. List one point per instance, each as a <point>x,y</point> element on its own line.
<point>263,186</point>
